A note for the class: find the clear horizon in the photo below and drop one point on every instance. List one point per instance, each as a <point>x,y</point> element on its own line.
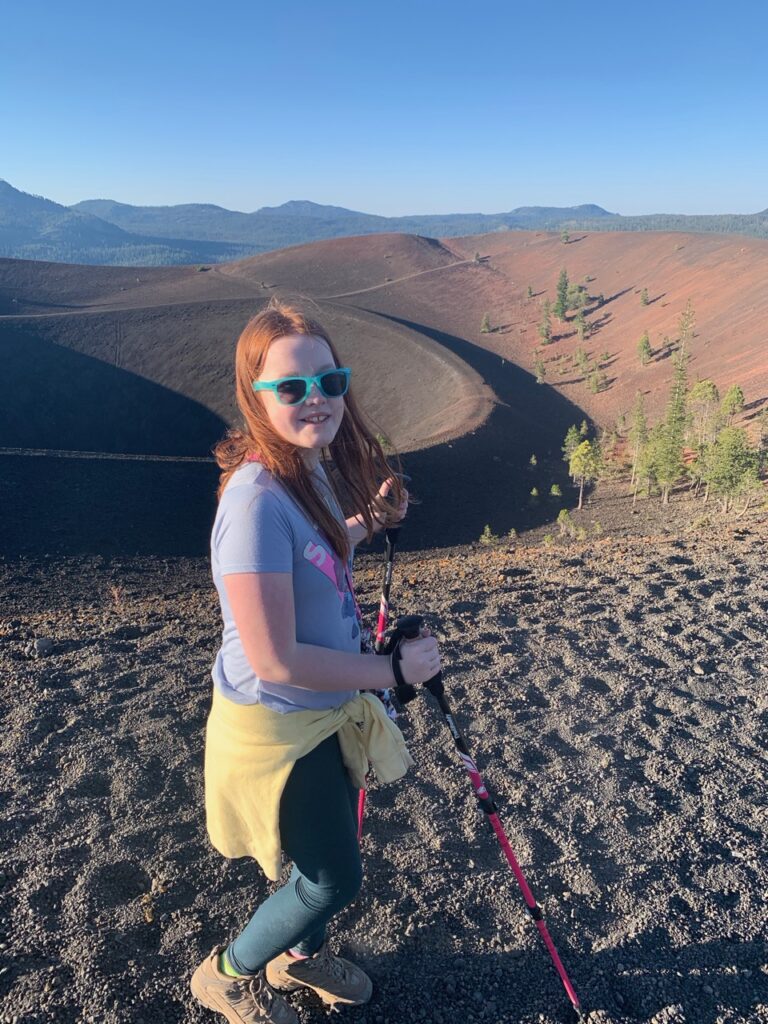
<point>433,111</point>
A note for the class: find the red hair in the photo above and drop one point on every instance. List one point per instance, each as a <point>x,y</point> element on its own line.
<point>356,454</point>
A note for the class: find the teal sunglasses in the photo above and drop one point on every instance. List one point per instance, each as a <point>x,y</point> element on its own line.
<point>295,390</point>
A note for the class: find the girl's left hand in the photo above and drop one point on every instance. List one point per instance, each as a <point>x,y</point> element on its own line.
<point>384,490</point>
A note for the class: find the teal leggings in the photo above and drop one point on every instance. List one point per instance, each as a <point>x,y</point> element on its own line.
<point>318,831</point>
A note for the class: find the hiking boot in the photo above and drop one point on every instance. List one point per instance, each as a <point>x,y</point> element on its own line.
<point>335,979</point>
<point>244,1000</point>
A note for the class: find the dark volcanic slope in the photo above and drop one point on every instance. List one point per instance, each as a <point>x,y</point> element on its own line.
<point>177,328</point>
<point>613,695</point>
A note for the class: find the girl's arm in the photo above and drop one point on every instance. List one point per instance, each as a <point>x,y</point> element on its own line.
<point>263,610</point>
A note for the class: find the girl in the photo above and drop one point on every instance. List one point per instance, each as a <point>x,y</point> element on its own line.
<point>289,737</point>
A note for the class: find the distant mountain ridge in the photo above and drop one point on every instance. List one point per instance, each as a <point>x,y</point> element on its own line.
<point>103,231</point>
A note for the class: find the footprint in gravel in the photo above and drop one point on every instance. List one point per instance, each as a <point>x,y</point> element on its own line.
<point>45,901</point>
<point>91,784</point>
<point>459,607</point>
<point>107,885</point>
<point>129,632</point>
<point>596,685</point>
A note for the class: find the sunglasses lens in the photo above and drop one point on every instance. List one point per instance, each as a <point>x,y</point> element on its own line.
<point>291,392</point>
<point>334,384</point>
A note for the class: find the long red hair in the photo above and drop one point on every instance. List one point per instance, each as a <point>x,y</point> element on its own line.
<point>355,453</point>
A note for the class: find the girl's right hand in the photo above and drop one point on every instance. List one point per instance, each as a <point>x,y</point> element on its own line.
<point>419,658</point>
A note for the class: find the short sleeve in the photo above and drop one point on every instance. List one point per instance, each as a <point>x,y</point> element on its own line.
<point>252,533</point>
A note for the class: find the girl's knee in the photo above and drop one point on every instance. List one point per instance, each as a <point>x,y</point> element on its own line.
<point>334,892</point>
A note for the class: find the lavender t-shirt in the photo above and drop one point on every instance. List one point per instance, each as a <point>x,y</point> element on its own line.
<point>260,528</point>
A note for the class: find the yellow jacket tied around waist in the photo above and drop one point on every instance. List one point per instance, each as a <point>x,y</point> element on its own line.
<point>250,751</point>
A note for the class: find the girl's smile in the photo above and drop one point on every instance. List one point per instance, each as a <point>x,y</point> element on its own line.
<point>312,424</point>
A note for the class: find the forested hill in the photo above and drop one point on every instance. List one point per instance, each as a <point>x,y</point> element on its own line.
<point>102,231</point>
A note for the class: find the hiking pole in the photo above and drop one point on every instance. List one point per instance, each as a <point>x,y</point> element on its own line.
<point>382,646</point>
<point>408,627</point>
<point>391,534</point>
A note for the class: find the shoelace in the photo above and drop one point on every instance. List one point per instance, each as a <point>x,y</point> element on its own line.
<point>327,962</point>
<point>262,994</point>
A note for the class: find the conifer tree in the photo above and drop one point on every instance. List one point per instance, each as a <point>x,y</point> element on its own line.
<point>565,237</point>
<point>732,465</point>
<point>565,523</point>
<point>545,327</point>
<point>571,443</point>
<point>644,300</point>
<point>677,409</point>
<point>540,370</point>
<point>638,435</point>
<point>580,323</point>
<point>644,350</point>
<point>577,296</point>
<point>485,324</point>
<point>762,421</point>
<point>686,323</point>
<point>581,359</point>
<point>561,304</point>
<point>703,400</point>
<point>662,460</point>
<point>529,293</point>
<point>584,466</point>
<point>733,403</point>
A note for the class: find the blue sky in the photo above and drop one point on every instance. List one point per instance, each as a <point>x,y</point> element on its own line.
<point>419,107</point>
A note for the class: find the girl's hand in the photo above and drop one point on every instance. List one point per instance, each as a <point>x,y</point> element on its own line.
<point>419,658</point>
<point>384,490</point>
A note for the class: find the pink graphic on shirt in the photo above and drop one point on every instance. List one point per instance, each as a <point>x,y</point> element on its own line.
<point>323,560</point>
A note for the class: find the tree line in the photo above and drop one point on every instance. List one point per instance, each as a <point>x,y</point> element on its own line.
<point>696,442</point>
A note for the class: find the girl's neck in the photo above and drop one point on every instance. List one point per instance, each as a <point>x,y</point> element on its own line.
<point>310,458</point>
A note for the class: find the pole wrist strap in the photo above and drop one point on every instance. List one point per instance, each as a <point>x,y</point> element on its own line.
<point>394,661</point>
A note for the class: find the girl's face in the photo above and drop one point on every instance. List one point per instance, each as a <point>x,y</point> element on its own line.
<point>312,424</point>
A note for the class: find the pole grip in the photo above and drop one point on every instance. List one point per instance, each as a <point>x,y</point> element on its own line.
<point>409,626</point>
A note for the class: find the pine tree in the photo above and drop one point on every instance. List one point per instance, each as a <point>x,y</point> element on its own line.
<point>561,304</point>
<point>545,327</point>
<point>702,401</point>
<point>565,523</point>
<point>584,466</point>
<point>485,324</point>
<point>580,324</point>
<point>565,237</point>
<point>677,408</point>
<point>644,350</point>
<point>581,359</point>
<point>644,300</point>
<point>733,403</point>
<point>583,429</point>
<point>762,421</point>
<point>529,293</point>
<point>571,442</point>
<point>540,371</point>
<point>662,460</point>
<point>686,323</point>
<point>732,465</point>
<point>638,434</point>
<point>577,296</point>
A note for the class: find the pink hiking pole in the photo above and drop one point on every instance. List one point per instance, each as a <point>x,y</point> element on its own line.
<point>408,627</point>
<point>391,535</point>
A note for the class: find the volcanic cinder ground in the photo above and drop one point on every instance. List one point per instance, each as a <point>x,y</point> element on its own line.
<point>612,689</point>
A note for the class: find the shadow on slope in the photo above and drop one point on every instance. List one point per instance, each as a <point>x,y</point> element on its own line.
<point>484,477</point>
<point>61,399</point>
<point>105,506</point>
